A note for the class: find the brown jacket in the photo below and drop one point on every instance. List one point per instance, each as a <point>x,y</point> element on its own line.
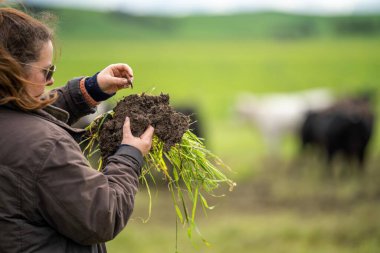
<point>50,199</point>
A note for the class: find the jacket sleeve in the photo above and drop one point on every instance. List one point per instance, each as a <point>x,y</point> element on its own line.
<point>81,203</point>
<point>71,99</point>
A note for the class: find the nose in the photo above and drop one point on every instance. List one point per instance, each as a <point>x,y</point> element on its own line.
<point>50,82</point>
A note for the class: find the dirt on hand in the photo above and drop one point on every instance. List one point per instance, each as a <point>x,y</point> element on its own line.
<point>143,110</point>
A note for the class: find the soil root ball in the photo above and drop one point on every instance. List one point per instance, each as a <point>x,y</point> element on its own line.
<point>143,110</point>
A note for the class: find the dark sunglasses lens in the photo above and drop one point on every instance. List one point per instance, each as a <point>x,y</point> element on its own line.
<point>50,73</point>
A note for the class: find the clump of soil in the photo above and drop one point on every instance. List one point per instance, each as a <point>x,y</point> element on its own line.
<point>143,110</point>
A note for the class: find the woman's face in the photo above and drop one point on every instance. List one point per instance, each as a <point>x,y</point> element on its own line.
<point>37,71</point>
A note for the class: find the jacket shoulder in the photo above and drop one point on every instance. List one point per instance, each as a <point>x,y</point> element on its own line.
<point>27,137</point>
<point>26,125</point>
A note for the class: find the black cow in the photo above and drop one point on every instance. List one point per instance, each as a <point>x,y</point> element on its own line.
<point>195,125</point>
<point>345,128</point>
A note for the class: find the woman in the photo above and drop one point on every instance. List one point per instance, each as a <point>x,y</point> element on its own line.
<point>50,199</point>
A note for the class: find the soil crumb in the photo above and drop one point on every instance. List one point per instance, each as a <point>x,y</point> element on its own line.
<point>143,110</point>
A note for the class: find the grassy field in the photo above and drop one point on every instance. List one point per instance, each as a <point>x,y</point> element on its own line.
<point>209,76</point>
<point>286,210</point>
<point>280,204</point>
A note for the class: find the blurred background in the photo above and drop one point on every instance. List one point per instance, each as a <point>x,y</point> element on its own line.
<point>284,92</point>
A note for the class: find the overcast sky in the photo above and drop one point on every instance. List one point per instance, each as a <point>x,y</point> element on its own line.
<point>184,7</point>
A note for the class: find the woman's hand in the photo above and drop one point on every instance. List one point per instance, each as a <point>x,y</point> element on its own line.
<point>142,143</point>
<point>115,77</point>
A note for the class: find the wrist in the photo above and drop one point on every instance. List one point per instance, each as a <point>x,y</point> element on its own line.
<point>87,97</point>
<point>93,88</point>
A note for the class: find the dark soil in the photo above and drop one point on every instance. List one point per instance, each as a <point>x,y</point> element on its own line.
<point>143,110</point>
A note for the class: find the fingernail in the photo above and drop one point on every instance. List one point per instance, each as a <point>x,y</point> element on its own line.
<point>127,118</point>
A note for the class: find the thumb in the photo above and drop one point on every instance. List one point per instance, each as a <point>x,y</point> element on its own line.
<point>127,127</point>
<point>148,134</point>
<point>118,81</point>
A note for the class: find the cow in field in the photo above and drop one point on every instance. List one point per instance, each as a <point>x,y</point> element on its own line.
<point>278,114</point>
<point>195,125</point>
<point>344,128</point>
<point>85,121</point>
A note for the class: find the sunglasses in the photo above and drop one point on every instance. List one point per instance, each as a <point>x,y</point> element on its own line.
<point>49,72</point>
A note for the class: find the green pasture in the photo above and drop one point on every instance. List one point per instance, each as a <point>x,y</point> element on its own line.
<point>281,204</point>
<point>275,212</point>
<point>210,74</point>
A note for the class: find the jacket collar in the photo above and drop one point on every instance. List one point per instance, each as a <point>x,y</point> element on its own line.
<point>59,117</point>
<point>56,112</point>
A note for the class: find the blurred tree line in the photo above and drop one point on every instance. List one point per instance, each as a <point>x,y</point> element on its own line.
<point>260,25</point>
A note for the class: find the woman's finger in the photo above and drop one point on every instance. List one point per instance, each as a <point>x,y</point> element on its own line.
<point>122,70</point>
<point>127,127</point>
<point>148,134</point>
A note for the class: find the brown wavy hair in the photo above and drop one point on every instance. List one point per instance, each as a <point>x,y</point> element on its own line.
<point>21,40</point>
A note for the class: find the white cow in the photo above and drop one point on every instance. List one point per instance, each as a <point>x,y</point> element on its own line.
<point>278,114</point>
<point>86,120</point>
